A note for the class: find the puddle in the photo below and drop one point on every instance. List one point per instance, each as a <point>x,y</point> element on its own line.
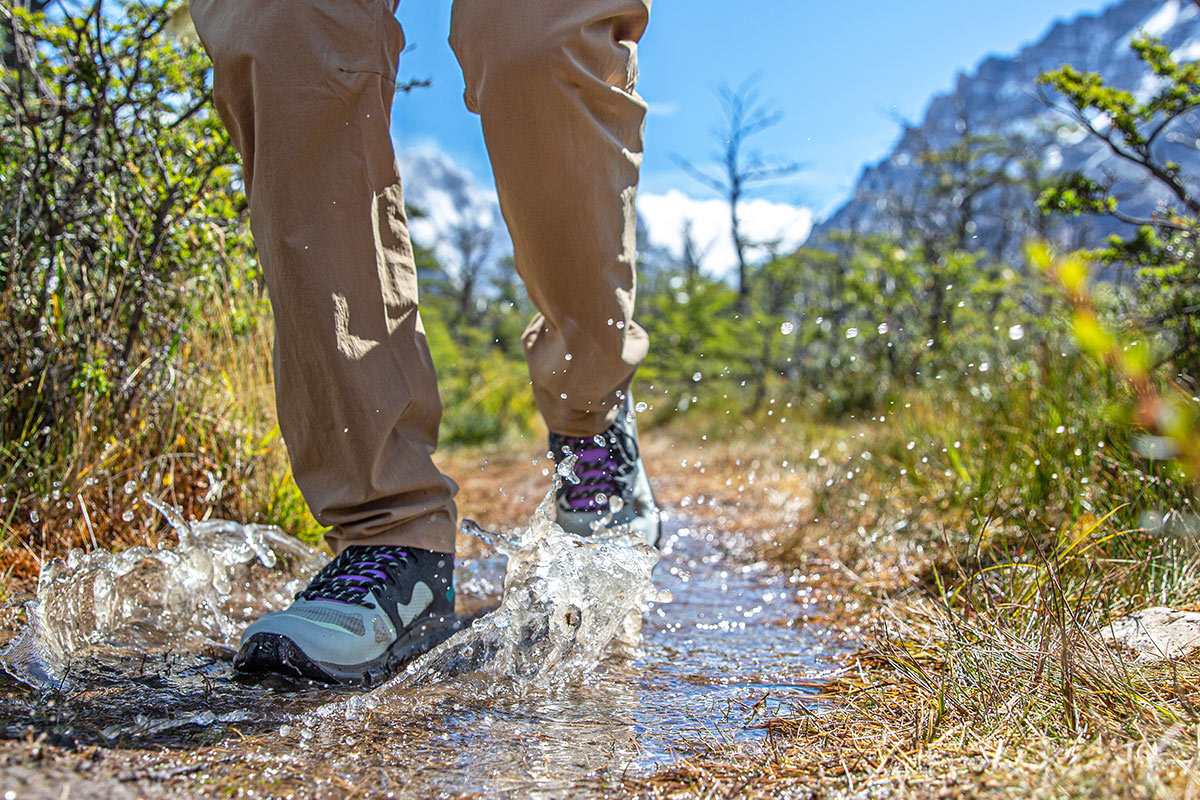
<point>489,712</point>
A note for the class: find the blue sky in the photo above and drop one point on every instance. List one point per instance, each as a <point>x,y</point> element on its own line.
<point>842,72</point>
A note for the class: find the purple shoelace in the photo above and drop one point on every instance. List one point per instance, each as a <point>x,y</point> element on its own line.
<point>358,570</point>
<point>602,465</point>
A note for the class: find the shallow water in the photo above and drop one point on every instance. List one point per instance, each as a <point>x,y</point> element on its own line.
<point>728,653</point>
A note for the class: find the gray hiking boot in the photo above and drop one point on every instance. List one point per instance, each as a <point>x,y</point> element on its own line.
<point>361,618</point>
<point>613,488</point>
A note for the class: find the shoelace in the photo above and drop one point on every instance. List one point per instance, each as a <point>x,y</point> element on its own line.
<point>354,573</point>
<point>603,465</point>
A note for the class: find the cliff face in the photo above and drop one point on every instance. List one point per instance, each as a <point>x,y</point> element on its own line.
<point>1002,99</point>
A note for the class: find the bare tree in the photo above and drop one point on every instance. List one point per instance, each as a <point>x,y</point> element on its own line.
<point>693,254</point>
<point>472,242</point>
<point>742,169</point>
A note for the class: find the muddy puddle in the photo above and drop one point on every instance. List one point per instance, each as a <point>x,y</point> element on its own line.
<point>723,648</point>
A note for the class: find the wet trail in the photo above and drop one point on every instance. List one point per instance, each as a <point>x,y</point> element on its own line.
<point>729,653</point>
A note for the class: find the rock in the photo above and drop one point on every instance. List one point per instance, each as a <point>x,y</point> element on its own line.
<point>1156,634</point>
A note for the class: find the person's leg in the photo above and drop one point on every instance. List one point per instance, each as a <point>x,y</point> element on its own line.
<point>305,88</point>
<point>553,82</point>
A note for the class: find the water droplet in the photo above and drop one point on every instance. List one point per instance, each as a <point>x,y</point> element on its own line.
<point>568,356</point>
<point>852,333</point>
<point>883,328</point>
<point>984,367</point>
<point>34,517</point>
<point>697,377</point>
<point>787,328</point>
<point>127,516</point>
<point>566,470</point>
<point>640,408</point>
<point>1016,333</point>
<point>615,504</point>
<point>130,487</point>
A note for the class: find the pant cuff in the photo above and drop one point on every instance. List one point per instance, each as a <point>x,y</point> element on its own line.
<point>434,532</point>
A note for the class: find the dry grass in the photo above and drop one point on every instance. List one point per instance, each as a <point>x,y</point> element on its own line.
<point>979,670</point>
<point>971,678</point>
<point>215,454</point>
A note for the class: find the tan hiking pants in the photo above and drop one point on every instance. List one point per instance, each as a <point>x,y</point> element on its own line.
<point>305,88</point>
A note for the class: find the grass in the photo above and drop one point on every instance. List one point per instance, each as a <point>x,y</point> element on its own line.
<point>977,671</point>
<point>972,542</point>
<point>981,546</point>
<point>206,441</point>
<point>973,546</point>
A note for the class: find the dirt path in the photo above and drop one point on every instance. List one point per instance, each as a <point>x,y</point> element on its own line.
<point>699,684</point>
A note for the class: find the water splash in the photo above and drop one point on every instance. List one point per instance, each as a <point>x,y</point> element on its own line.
<point>565,600</point>
<point>731,652</point>
<point>200,593</point>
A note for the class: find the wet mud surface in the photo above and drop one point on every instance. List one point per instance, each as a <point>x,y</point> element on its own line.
<point>734,649</point>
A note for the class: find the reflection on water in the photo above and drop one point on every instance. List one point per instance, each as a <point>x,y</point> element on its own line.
<point>724,656</point>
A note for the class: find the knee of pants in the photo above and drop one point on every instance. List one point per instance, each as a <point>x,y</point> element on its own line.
<point>514,51</point>
<point>289,43</point>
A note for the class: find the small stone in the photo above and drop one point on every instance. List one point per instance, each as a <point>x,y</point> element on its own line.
<point>1156,634</point>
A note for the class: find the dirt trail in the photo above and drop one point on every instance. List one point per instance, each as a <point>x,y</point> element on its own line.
<point>736,649</point>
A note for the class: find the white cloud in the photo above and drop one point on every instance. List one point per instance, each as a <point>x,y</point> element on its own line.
<point>662,108</point>
<point>451,196</point>
<point>1163,19</point>
<point>762,220</point>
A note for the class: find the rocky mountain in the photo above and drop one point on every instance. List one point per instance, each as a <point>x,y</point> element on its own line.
<point>1001,99</point>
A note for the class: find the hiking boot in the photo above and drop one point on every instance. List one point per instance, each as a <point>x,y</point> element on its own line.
<point>613,488</point>
<point>363,616</point>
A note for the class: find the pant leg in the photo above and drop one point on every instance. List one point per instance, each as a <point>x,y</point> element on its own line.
<point>305,88</point>
<point>553,83</point>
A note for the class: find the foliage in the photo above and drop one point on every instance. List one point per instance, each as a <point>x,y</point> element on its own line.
<point>484,386</point>
<point>1161,250</point>
<point>1170,414</point>
<point>127,261</point>
<point>835,331</point>
<point>114,194</point>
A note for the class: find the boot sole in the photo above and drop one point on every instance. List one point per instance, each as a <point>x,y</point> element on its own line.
<point>266,656</point>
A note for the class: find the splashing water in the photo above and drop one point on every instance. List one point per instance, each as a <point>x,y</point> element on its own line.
<point>200,593</point>
<point>565,599</point>
<point>728,654</point>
